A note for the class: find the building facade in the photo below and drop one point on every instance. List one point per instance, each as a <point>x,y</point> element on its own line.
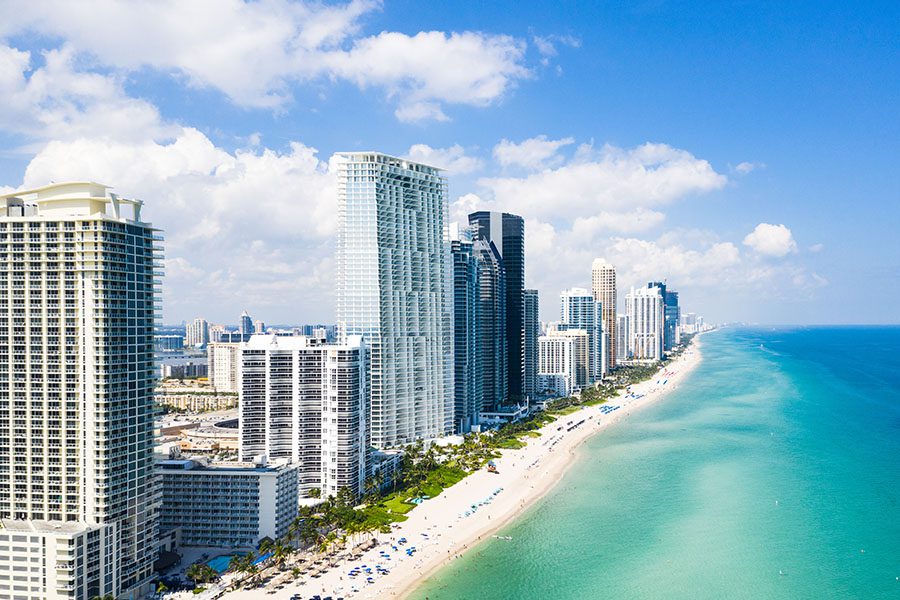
<point>393,290</point>
<point>531,311</point>
<point>579,310</point>
<point>563,360</point>
<point>507,233</point>
<point>305,401</point>
<point>603,287</point>
<point>226,504</point>
<point>196,333</point>
<point>646,316</point>
<point>246,325</point>
<point>623,338</point>
<point>78,304</point>
<point>224,361</point>
<point>673,319</point>
<point>467,388</point>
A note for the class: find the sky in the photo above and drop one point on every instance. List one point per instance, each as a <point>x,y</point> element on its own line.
<point>746,152</point>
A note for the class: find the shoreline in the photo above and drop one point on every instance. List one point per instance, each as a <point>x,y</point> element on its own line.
<point>440,529</point>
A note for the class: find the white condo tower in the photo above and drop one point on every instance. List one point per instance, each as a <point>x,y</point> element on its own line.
<point>78,297</point>
<point>393,286</point>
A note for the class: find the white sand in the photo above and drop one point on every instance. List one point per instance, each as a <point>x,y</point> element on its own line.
<point>525,475</point>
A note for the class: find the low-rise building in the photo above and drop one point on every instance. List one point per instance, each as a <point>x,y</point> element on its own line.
<point>193,396</point>
<point>226,504</point>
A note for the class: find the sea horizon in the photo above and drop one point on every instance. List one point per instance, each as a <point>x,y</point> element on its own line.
<point>758,477</point>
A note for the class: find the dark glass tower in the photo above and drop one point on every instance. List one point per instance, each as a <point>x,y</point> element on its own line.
<point>507,232</point>
<point>673,317</point>
<point>532,332</point>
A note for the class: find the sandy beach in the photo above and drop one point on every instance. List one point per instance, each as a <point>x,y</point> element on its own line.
<point>445,527</point>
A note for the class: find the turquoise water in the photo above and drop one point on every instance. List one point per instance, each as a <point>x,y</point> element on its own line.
<point>772,472</point>
<point>221,562</point>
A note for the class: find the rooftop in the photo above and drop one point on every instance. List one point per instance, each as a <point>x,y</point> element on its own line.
<point>69,199</point>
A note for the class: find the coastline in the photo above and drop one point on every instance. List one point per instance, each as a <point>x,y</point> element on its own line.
<point>442,532</point>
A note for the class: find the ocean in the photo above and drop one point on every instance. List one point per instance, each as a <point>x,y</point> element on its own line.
<point>772,472</point>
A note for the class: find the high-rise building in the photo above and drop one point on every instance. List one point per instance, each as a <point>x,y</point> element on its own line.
<point>623,338</point>
<point>216,332</point>
<point>305,401</point>
<point>661,286</point>
<point>507,232</point>
<point>646,315</point>
<point>603,286</point>
<point>467,388</point>
<point>673,318</point>
<point>531,311</point>
<point>492,331</point>
<point>393,289</point>
<point>479,309</point>
<point>259,326</point>
<point>246,325</point>
<point>197,333</point>
<point>223,362</point>
<point>579,310</point>
<point>563,361</point>
<point>79,296</point>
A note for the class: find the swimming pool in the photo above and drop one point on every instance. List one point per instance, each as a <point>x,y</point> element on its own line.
<point>221,563</point>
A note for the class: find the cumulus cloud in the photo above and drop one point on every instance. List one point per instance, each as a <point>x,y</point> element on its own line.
<point>254,51</point>
<point>533,153</point>
<point>453,159</point>
<point>59,101</point>
<point>243,224</point>
<point>771,240</point>
<point>609,179</point>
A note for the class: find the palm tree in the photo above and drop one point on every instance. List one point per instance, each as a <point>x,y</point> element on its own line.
<point>201,573</point>
<point>280,552</point>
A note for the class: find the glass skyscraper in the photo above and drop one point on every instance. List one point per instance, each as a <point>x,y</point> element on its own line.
<point>393,286</point>
<point>507,232</point>
<point>532,331</point>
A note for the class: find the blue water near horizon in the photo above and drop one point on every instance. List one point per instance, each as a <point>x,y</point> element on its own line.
<point>772,472</point>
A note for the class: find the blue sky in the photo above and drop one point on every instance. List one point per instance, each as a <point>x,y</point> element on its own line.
<point>748,152</point>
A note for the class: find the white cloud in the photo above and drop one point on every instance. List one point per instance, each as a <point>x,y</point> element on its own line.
<point>546,45</point>
<point>56,100</point>
<point>254,51</point>
<point>611,179</point>
<point>453,159</point>
<point>637,220</point>
<point>533,153</point>
<point>817,247</point>
<point>771,240</point>
<point>747,167</point>
<point>215,209</point>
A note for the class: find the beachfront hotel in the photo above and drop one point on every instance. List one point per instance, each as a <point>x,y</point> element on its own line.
<point>506,232</point>
<point>393,290</point>
<point>563,356</point>
<point>603,287</point>
<point>226,504</point>
<point>78,301</point>
<point>646,317</point>
<point>304,401</point>
<point>579,310</point>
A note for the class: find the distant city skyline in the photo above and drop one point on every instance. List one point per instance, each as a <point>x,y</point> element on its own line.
<point>759,180</point>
